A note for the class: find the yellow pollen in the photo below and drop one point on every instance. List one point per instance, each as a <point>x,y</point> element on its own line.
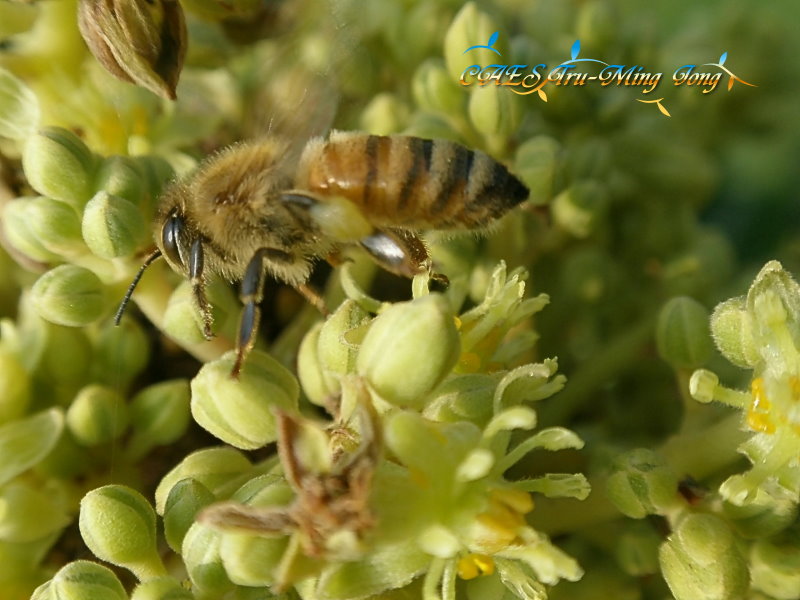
<point>758,418</point>
<point>472,565</point>
<point>517,500</point>
<point>458,322</point>
<point>502,523</point>
<point>794,385</point>
<point>503,534</point>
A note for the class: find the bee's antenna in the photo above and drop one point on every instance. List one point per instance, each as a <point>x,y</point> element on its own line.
<point>147,262</point>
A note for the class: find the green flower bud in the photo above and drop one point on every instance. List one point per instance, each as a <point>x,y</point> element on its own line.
<point>28,514</point>
<point>159,416</point>
<point>219,469</point>
<point>200,553</point>
<point>682,335</point>
<point>388,565</point>
<point>773,297</point>
<point>763,516</point>
<point>732,328</point>
<point>775,569</point>
<point>240,411</point>
<point>15,387</point>
<point>19,107</point>
<point>337,346</point>
<point>185,500</point>
<point>701,560</point>
<point>97,415</point>
<point>494,111</point>
<point>69,295</point>
<point>58,164</point>
<point>140,41</point>
<point>65,377</point>
<point>43,228</point>
<point>642,484</point>
<point>435,90</point>
<point>470,27</point>
<point>25,442</point>
<point>536,163</point>
<point>43,592</point>
<point>19,231</point>
<point>161,588</point>
<point>309,368</point>
<point>121,353</point>
<point>579,208</point>
<point>265,490</point>
<point>112,226</point>
<point>251,560</point>
<point>82,579</point>
<point>119,526</point>
<point>182,321</point>
<point>409,349</point>
<point>384,114</point>
<point>431,126</point>
<point>123,177</point>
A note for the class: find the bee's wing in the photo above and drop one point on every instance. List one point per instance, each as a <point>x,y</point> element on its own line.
<point>294,77</point>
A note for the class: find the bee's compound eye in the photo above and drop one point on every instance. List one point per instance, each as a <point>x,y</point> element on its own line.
<point>171,239</point>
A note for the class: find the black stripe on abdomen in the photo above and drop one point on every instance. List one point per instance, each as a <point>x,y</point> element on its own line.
<point>420,166</point>
<point>455,175</point>
<point>371,155</point>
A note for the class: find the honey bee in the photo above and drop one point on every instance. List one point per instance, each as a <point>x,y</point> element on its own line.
<point>262,207</point>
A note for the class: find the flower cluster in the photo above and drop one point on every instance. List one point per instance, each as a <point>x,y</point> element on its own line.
<point>761,332</point>
<point>323,515</point>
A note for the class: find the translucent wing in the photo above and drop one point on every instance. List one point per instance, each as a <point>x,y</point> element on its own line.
<point>293,77</point>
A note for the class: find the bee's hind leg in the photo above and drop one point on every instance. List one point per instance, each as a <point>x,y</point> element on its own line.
<point>403,253</point>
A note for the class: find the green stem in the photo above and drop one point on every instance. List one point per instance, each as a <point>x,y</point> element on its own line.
<point>704,450</point>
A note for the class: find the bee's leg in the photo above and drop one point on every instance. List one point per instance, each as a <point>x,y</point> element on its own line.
<point>313,297</point>
<point>251,293</point>
<point>401,252</point>
<point>196,263</point>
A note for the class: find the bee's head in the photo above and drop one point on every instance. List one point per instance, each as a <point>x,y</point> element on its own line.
<point>173,244</point>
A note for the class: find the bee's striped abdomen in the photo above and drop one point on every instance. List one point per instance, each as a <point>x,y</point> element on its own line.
<point>410,182</point>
